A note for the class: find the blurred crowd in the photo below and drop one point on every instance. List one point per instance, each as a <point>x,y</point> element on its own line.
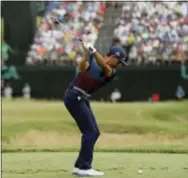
<point>154,32</point>
<point>52,44</point>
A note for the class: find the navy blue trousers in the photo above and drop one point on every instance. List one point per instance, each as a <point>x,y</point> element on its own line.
<point>81,111</point>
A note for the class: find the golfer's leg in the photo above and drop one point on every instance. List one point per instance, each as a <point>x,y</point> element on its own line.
<point>89,137</point>
<point>91,172</point>
<point>85,158</point>
<point>82,115</point>
<point>93,118</point>
<point>95,136</point>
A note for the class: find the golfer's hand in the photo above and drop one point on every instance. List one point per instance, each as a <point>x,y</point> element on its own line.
<point>91,49</point>
<point>88,48</point>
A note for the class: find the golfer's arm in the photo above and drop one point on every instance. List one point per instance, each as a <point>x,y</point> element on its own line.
<point>83,65</point>
<point>100,61</point>
<point>84,47</point>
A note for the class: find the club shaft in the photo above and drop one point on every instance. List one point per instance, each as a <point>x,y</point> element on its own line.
<point>80,40</point>
<point>68,30</point>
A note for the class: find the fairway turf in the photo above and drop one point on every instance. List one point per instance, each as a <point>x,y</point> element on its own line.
<point>47,125</point>
<point>115,165</point>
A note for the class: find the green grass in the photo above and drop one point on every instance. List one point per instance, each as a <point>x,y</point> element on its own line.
<point>115,165</point>
<point>41,125</point>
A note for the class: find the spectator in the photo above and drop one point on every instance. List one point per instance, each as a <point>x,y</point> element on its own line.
<point>26,91</point>
<point>180,93</point>
<point>155,97</point>
<point>115,96</point>
<point>8,91</point>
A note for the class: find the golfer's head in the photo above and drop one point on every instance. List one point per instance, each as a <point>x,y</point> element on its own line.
<point>116,56</point>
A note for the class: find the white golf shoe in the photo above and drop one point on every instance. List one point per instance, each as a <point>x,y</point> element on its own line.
<point>89,172</point>
<point>75,170</point>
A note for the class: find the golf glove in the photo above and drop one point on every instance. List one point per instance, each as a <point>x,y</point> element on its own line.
<point>91,49</point>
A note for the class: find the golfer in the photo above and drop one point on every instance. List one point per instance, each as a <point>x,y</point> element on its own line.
<point>94,72</point>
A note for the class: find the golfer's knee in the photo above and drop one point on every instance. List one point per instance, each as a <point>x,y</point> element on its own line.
<point>93,135</point>
<point>97,134</point>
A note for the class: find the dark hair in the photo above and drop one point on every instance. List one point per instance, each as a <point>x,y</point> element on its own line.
<point>108,54</point>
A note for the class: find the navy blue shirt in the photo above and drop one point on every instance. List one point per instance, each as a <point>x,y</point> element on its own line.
<point>93,78</point>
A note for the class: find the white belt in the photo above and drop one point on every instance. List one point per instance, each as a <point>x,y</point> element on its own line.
<point>81,91</point>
